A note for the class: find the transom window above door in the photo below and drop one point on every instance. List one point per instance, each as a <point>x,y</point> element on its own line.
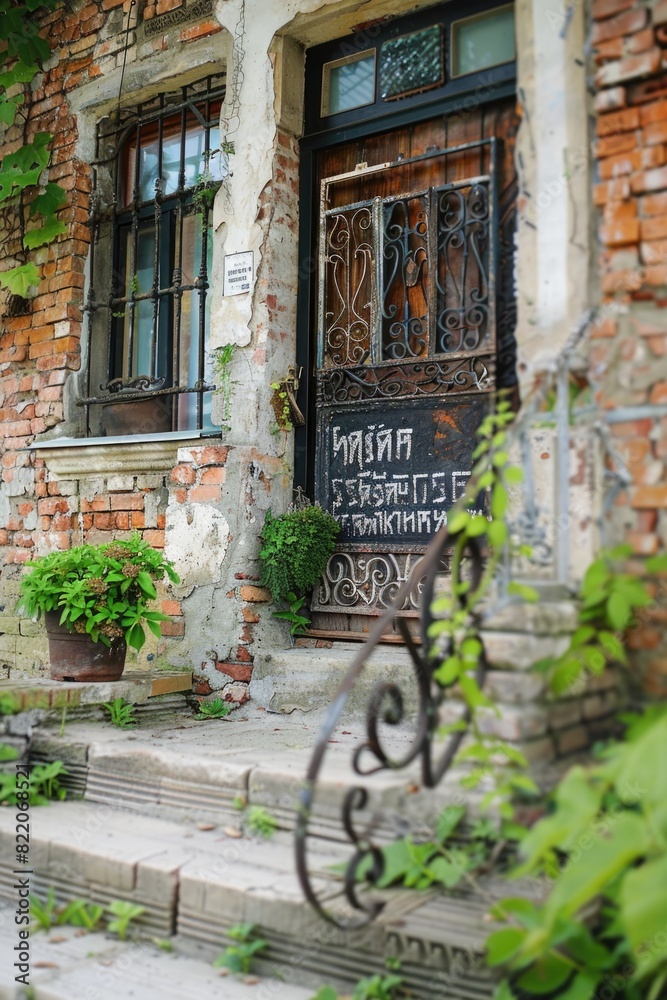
<point>159,165</point>
<point>444,51</point>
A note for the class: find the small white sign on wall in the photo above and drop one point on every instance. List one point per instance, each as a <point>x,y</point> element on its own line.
<point>239,268</point>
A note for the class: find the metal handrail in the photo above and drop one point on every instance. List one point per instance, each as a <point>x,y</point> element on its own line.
<point>386,703</point>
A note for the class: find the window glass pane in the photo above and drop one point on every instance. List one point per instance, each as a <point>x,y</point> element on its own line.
<point>483,41</point>
<point>411,63</point>
<point>217,163</point>
<point>348,83</point>
<point>195,162</point>
<point>141,281</point>
<point>189,348</point>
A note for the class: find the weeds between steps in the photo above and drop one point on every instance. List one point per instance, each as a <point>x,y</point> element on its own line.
<point>43,781</point>
<point>216,709</point>
<point>118,916</point>
<point>121,713</point>
<point>238,958</point>
<point>377,987</point>
<point>257,820</point>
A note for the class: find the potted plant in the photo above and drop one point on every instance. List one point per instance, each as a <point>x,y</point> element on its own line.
<point>95,600</point>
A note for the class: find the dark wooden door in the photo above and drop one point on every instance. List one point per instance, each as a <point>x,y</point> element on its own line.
<point>415,320</point>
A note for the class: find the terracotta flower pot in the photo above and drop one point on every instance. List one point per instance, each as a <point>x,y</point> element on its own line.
<point>75,657</point>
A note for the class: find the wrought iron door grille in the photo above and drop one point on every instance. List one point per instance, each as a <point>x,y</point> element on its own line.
<point>406,321</point>
<point>411,275</point>
<point>152,163</point>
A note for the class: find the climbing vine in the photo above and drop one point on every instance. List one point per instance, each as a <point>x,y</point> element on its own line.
<point>28,202</point>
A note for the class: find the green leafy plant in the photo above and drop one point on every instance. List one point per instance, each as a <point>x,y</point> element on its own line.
<point>216,709</point>
<point>239,957</point>
<point>259,821</point>
<point>164,944</point>
<point>124,913</point>
<point>44,912</point>
<point>454,629</point>
<point>604,848</point>
<point>103,590</point>
<point>77,912</point>
<point>378,987</point>
<point>610,599</point>
<point>22,51</point>
<point>325,993</point>
<point>298,623</point>
<point>43,783</point>
<point>80,913</point>
<point>295,548</point>
<point>8,703</point>
<point>121,713</point>
<point>420,865</point>
<point>45,780</point>
<point>204,194</point>
<point>222,360</point>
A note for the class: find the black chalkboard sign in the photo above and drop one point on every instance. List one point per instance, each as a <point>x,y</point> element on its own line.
<point>389,474</point>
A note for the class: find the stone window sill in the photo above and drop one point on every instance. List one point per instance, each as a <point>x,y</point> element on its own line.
<point>71,458</point>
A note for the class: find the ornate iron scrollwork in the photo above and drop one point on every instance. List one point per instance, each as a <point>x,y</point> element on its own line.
<point>438,377</point>
<point>348,280</point>
<point>405,263</point>
<point>463,273</point>
<point>361,581</point>
<point>386,712</point>
<point>140,383</point>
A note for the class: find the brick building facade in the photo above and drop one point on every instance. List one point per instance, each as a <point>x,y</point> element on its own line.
<point>591,226</point>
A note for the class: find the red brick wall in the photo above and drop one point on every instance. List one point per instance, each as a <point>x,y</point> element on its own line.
<point>40,350</point>
<point>628,357</point>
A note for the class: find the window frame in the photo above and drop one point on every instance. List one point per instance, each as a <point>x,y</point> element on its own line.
<point>372,37</point>
<point>117,218</point>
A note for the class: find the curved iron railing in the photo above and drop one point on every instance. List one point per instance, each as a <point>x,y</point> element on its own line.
<point>386,702</point>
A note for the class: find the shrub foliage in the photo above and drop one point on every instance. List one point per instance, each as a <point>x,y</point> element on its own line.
<point>295,548</point>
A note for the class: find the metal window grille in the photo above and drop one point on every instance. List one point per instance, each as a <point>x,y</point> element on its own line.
<point>157,167</point>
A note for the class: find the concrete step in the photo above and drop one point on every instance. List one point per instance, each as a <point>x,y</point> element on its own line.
<point>159,696</point>
<point>306,679</point>
<point>138,687</point>
<point>66,965</point>
<point>197,883</point>
<point>203,771</point>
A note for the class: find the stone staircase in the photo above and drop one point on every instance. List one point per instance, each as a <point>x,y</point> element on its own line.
<point>159,825</point>
<point>161,820</point>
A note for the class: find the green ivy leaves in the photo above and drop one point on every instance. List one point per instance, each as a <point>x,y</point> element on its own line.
<point>45,233</point>
<point>20,59</point>
<point>19,280</point>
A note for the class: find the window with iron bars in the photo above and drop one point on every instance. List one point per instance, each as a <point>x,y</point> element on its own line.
<point>157,169</point>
